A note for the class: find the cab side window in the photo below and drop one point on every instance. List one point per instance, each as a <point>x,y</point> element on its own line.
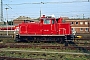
<point>53,21</point>
<point>46,21</point>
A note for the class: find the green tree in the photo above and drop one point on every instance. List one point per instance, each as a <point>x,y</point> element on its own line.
<point>10,22</point>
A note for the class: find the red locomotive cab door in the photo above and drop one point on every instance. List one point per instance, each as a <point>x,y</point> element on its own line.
<point>53,28</point>
<point>46,27</point>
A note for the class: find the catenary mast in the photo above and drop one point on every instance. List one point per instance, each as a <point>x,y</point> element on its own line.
<point>1,10</point>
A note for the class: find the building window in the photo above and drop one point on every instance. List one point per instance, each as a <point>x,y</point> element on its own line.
<point>72,22</point>
<point>86,23</point>
<point>81,29</point>
<point>76,22</point>
<point>86,29</point>
<point>72,29</point>
<point>81,23</point>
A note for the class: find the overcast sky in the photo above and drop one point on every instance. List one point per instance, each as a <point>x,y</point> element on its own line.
<point>31,8</point>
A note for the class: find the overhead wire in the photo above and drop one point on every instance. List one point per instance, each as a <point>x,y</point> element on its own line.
<point>49,2</point>
<point>44,3</point>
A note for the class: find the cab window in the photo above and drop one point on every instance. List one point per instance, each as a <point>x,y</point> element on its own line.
<point>46,21</point>
<point>53,21</point>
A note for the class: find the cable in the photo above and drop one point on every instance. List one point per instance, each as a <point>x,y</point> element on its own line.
<point>48,2</point>
<point>8,6</point>
<point>11,8</point>
<point>34,14</point>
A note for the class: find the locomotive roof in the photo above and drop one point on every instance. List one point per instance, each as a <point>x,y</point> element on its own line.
<point>49,18</point>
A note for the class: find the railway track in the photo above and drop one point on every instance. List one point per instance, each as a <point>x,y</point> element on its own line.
<point>83,39</point>
<point>11,58</point>
<point>84,49</point>
<point>46,46</point>
<point>82,43</point>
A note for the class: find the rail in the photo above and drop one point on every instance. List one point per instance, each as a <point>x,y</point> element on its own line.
<point>13,45</point>
<point>12,58</point>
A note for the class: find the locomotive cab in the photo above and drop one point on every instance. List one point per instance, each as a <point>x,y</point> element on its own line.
<point>49,25</point>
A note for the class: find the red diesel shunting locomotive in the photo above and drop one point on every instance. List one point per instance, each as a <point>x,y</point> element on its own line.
<point>48,29</point>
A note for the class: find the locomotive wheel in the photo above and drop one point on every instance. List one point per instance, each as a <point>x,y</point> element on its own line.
<point>66,43</point>
<point>17,40</point>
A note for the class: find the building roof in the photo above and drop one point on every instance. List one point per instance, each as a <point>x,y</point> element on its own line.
<point>1,23</point>
<point>77,19</point>
<point>23,18</point>
<point>65,18</point>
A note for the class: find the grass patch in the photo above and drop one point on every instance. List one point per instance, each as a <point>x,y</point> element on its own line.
<point>49,56</point>
<point>43,55</point>
<point>7,40</point>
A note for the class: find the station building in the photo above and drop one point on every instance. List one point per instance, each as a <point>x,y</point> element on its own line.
<point>80,25</point>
